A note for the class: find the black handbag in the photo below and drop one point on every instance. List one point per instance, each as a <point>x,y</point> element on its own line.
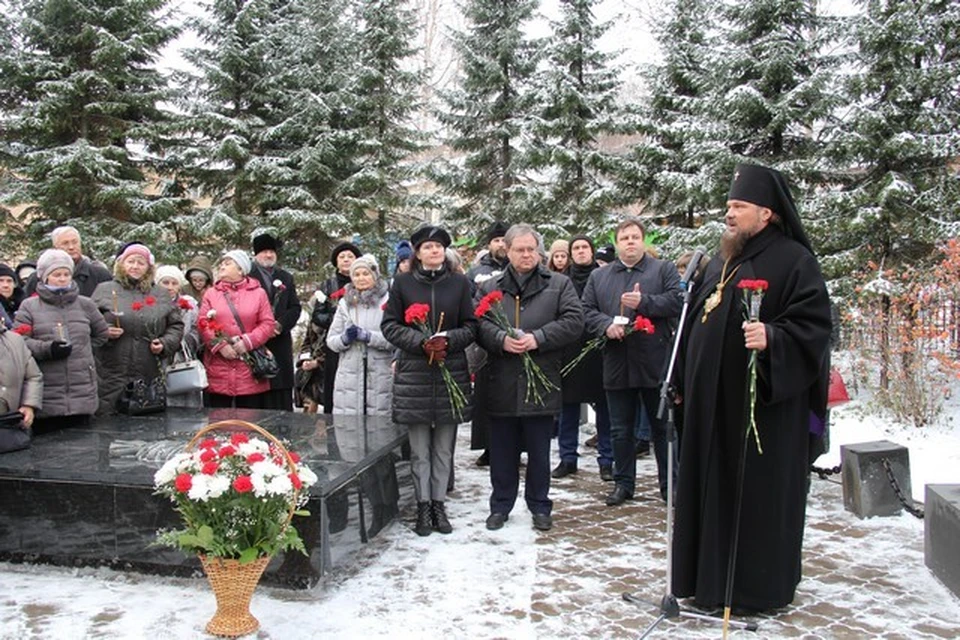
<point>13,437</point>
<point>142,397</point>
<point>263,364</point>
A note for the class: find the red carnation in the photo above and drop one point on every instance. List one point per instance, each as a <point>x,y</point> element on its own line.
<point>383,307</point>
<point>210,468</point>
<point>243,484</point>
<point>183,482</point>
<point>336,295</point>
<point>238,438</point>
<point>209,443</point>
<point>643,324</point>
<point>295,480</point>
<point>294,457</point>
<point>23,329</point>
<point>255,457</point>
<point>150,300</point>
<point>753,285</point>
<point>227,451</point>
<point>203,323</point>
<point>494,296</point>
<point>482,309</point>
<point>184,304</point>
<point>416,313</point>
<point>207,455</point>
<point>136,306</point>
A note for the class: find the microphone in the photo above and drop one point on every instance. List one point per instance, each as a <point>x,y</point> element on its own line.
<point>698,255</point>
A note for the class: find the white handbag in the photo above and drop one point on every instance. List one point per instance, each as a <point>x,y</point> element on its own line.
<point>185,376</point>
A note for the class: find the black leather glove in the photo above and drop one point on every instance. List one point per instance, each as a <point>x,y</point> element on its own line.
<point>436,348</point>
<point>60,350</point>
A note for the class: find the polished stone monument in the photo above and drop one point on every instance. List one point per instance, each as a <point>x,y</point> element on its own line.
<point>84,496</point>
<point>941,533</point>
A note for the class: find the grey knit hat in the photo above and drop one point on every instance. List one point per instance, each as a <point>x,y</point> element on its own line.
<point>51,260</point>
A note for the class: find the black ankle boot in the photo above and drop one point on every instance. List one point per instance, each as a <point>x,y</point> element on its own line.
<point>423,526</point>
<point>439,516</point>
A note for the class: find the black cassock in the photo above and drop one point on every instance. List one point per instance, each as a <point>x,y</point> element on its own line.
<point>791,383</point>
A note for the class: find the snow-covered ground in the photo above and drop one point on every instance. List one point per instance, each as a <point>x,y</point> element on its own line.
<point>480,584</point>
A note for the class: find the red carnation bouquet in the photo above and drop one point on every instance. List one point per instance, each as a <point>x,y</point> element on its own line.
<point>753,291</point>
<point>641,324</point>
<point>538,384</point>
<point>416,315</point>
<point>234,495</point>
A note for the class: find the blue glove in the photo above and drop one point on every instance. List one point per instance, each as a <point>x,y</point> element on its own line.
<point>350,334</point>
<point>363,335</point>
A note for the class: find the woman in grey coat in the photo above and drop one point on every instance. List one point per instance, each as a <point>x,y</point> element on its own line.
<point>145,326</point>
<point>21,382</point>
<point>364,379</point>
<point>172,279</point>
<point>61,329</point>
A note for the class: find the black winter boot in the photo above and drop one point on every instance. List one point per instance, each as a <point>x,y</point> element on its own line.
<point>439,516</point>
<point>423,526</point>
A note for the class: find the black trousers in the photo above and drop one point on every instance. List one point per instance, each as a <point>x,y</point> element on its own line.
<point>279,399</point>
<point>508,437</point>
<point>218,401</point>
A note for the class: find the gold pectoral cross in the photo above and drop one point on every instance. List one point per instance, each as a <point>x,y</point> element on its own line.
<point>717,296</point>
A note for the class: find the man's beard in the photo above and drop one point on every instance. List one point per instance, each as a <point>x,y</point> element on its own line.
<point>499,255</point>
<point>732,243</point>
<point>267,264</point>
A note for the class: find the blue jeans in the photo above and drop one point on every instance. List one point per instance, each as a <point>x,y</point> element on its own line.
<point>643,423</point>
<point>624,405</point>
<point>568,433</point>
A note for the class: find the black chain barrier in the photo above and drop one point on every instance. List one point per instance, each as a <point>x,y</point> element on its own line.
<point>907,504</point>
<point>824,473</point>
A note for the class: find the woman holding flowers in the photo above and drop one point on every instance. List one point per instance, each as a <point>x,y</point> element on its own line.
<point>235,318</point>
<point>61,329</point>
<point>145,326</point>
<point>363,382</point>
<point>429,318</point>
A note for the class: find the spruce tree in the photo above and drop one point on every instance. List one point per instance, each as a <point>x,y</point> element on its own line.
<point>384,98</point>
<point>893,154</point>
<point>577,92</point>
<point>488,113</point>
<point>80,119</point>
<point>680,166</point>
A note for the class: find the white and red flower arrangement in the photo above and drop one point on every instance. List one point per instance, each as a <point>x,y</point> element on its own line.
<point>641,324</point>
<point>416,315</point>
<point>538,384</point>
<point>235,495</point>
<point>753,291</point>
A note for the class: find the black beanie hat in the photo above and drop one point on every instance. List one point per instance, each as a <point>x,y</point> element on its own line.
<point>606,253</point>
<point>6,270</point>
<point>496,230</point>
<point>266,241</point>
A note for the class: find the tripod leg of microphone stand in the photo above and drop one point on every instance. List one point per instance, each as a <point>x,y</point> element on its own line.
<point>653,625</point>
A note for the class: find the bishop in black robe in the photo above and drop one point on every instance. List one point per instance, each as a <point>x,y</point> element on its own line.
<point>713,383</point>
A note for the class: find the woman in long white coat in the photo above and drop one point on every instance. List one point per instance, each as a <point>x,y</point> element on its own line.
<point>363,385</point>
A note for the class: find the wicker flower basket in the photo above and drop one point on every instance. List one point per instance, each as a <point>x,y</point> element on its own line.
<point>233,583</point>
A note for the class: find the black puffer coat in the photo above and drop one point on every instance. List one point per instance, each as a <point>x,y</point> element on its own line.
<point>286,310</point>
<point>551,311</point>
<point>419,393</point>
<point>585,382</point>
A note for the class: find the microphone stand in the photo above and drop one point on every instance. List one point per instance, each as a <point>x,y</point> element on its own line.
<point>669,607</point>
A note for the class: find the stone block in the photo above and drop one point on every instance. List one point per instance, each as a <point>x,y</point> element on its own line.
<point>941,531</point>
<point>866,488</point>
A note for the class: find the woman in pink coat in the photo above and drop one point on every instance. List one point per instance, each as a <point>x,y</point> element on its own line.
<point>231,382</point>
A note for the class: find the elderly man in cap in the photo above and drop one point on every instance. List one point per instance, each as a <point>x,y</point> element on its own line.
<point>327,298</point>
<point>86,273</point>
<point>282,293</point>
<point>763,240</point>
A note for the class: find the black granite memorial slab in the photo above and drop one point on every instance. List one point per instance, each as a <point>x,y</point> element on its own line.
<point>84,496</point>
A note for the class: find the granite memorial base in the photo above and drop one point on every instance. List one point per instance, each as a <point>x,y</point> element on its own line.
<point>84,496</point>
<point>941,533</point>
<point>866,488</point>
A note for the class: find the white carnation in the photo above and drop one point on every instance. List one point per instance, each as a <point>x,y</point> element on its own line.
<point>280,485</point>
<point>253,446</point>
<point>200,487</point>
<point>259,483</point>
<point>219,484</point>
<point>307,476</point>
<point>171,468</point>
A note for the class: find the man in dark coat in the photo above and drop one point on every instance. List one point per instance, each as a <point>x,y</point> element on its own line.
<point>491,265</point>
<point>11,295</point>
<point>635,284</point>
<point>86,273</point>
<point>331,291</point>
<point>585,382</point>
<point>282,292</point>
<point>763,240</point>
<point>545,307</point>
